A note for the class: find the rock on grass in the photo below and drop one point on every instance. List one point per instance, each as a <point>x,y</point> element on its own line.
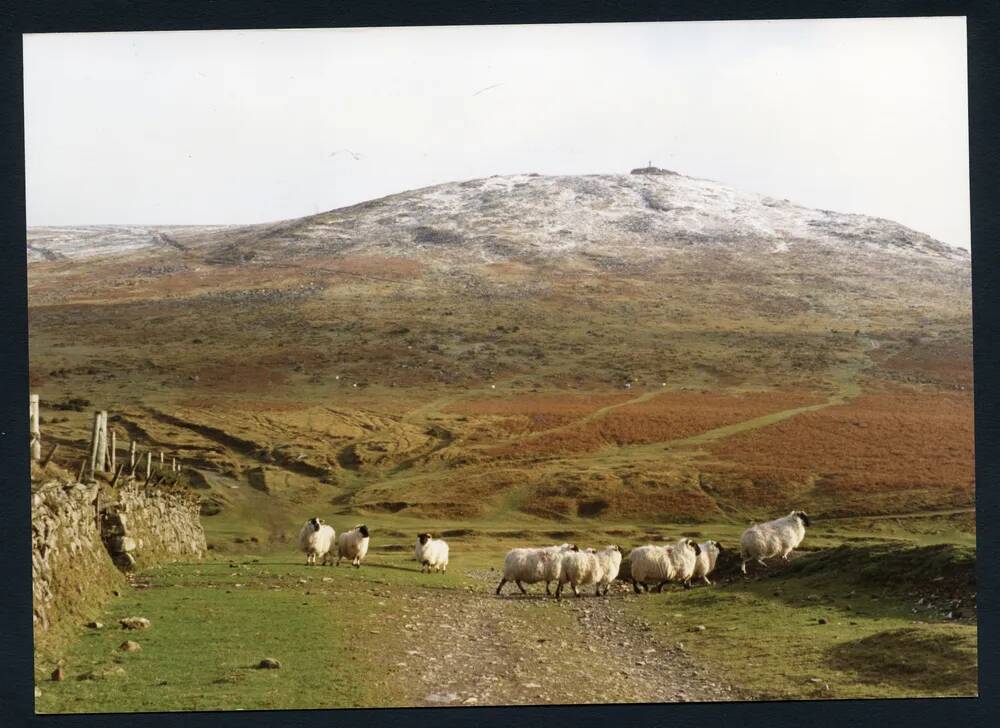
<point>134,623</point>
<point>268,663</point>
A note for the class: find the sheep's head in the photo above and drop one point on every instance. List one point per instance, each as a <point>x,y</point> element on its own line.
<point>718,546</point>
<point>694,544</point>
<point>614,547</point>
<point>803,517</point>
<point>363,529</point>
<point>315,523</point>
<point>423,538</point>
<point>574,547</point>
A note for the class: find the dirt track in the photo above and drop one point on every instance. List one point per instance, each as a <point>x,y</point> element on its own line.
<point>478,648</point>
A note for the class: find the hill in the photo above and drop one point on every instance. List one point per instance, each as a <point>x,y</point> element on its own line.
<point>526,348</point>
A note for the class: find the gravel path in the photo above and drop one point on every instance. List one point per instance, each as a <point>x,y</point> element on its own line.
<point>474,648</point>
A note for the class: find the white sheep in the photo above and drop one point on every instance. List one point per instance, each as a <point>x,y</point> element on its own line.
<point>432,553</point>
<point>650,565</point>
<point>705,564</point>
<point>774,538</point>
<point>611,564</point>
<point>532,565</point>
<point>316,539</point>
<point>582,568</point>
<point>684,555</point>
<point>353,545</point>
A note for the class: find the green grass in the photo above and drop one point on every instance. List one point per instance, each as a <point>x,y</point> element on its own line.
<point>766,635</point>
<point>207,635</point>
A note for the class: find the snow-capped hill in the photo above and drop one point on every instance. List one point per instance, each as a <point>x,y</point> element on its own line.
<point>645,215</point>
<point>634,217</point>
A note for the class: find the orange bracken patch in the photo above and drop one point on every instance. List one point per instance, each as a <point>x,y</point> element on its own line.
<point>896,440</point>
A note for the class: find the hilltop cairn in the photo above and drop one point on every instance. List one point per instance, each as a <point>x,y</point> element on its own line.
<point>650,169</point>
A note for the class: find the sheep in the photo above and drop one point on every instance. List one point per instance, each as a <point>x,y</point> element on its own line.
<point>650,564</point>
<point>684,555</point>
<point>532,565</point>
<point>432,553</point>
<point>774,538</point>
<point>611,563</point>
<point>316,539</point>
<point>581,568</point>
<point>353,545</point>
<point>705,564</point>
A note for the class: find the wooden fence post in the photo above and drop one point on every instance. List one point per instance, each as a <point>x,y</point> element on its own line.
<point>102,442</point>
<point>48,458</point>
<point>149,463</point>
<point>113,448</point>
<point>131,455</point>
<point>36,433</point>
<point>94,437</point>
<point>173,465</point>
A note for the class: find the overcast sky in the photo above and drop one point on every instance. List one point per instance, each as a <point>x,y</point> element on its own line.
<point>865,116</point>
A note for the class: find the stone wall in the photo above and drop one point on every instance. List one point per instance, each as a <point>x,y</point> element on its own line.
<point>71,571</point>
<point>80,533</point>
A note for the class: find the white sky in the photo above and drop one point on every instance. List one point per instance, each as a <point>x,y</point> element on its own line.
<point>856,115</point>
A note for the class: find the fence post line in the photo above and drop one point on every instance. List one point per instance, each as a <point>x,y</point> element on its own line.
<point>36,433</point>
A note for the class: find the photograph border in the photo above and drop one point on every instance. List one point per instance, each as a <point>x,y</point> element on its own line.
<point>48,16</point>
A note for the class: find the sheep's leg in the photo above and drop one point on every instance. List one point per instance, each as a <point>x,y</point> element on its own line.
<point>575,590</point>
<point>659,587</point>
<point>761,562</point>
<point>559,587</point>
<point>500,586</point>
<point>357,563</point>
<point>547,592</point>
<point>743,566</point>
<point>706,580</point>
<point>687,584</point>
<point>520,586</point>
<point>597,591</point>
<point>784,556</point>
<point>635,587</point>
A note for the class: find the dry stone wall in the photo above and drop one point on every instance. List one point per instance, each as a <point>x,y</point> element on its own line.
<point>81,533</point>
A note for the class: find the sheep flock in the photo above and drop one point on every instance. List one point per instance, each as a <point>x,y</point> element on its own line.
<point>650,567</point>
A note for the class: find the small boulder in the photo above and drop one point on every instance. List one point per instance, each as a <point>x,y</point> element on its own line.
<point>58,674</point>
<point>95,625</point>
<point>821,620</point>
<point>134,623</point>
<point>129,646</point>
<point>268,663</point>
<point>698,628</point>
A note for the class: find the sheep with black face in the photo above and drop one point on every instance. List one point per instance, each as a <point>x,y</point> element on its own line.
<point>532,565</point>
<point>353,545</point>
<point>705,563</point>
<point>775,538</point>
<point>316,539</point>
<point>432,553</point>
<point>684,557</point>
